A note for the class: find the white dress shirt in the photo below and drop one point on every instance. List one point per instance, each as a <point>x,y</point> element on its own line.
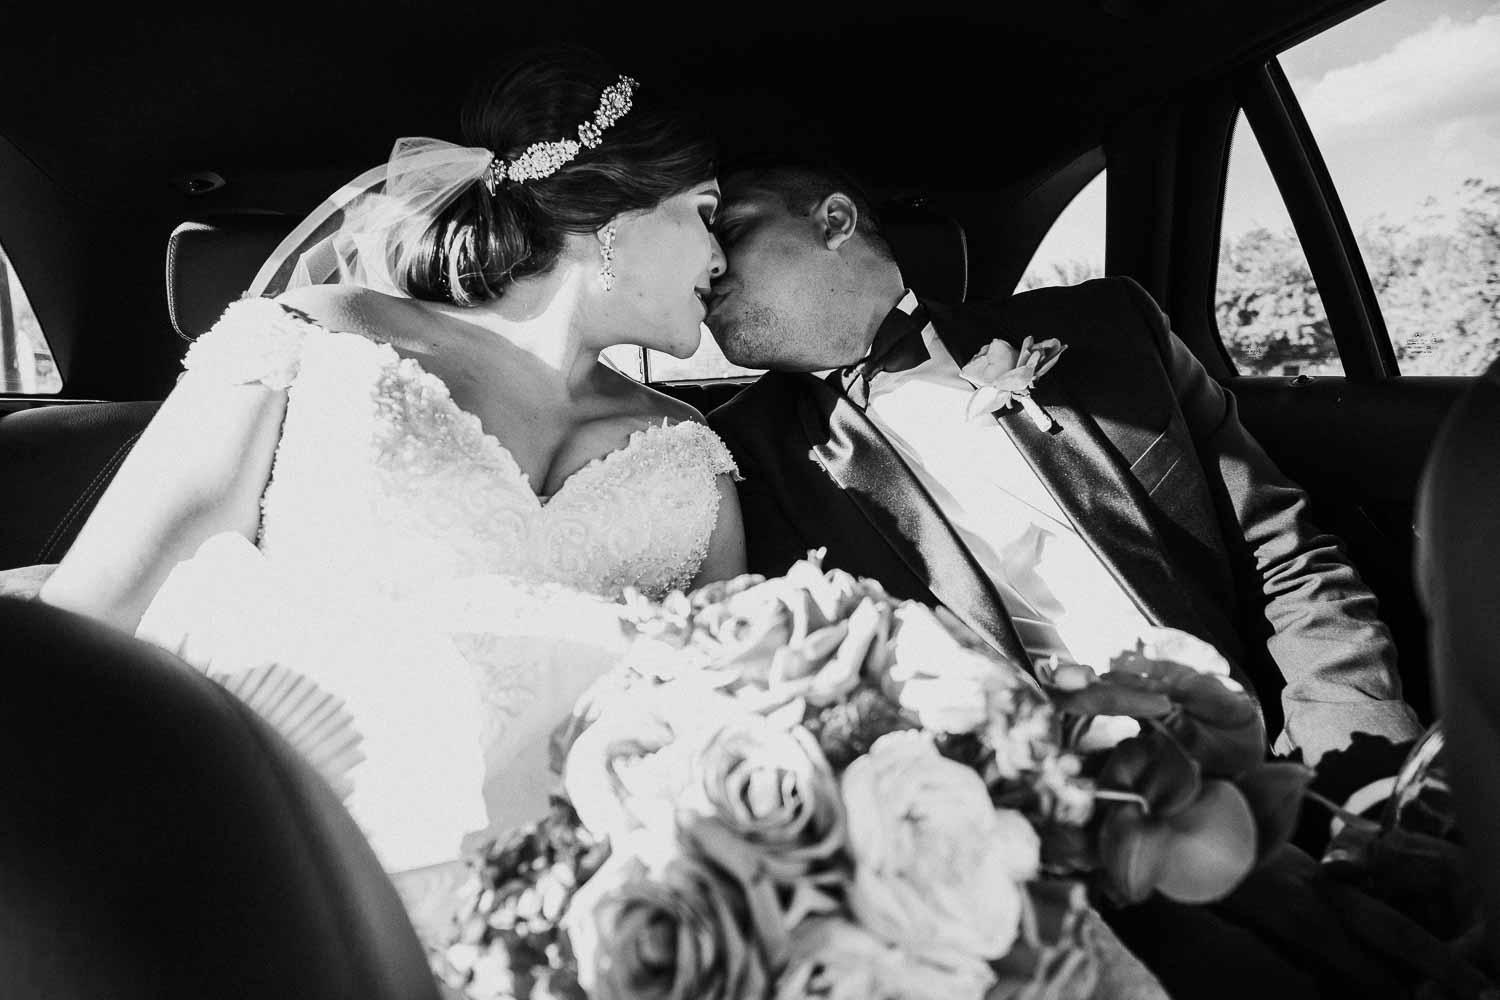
<point>1063,600</point>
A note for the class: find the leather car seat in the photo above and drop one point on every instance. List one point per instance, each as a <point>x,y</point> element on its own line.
<point>158,840</point>
<point>57,460</point>
<point>211,261</point>
<point>930,247</point>
<point>1458,579</point>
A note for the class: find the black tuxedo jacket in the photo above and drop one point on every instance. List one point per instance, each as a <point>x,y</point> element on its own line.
<point>1151,463</point>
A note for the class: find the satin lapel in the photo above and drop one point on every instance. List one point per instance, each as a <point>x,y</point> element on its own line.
<point>1090,482</point>
<point>862,463</point>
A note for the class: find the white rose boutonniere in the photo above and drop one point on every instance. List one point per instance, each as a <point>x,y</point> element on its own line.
<point>1002,375</point>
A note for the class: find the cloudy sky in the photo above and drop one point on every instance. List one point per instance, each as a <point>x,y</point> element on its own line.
<point>1404,100</point>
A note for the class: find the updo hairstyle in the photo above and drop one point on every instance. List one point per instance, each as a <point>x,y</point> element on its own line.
<point>480,244</point>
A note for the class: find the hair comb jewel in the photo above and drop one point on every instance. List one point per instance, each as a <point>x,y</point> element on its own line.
<point>543,159</point>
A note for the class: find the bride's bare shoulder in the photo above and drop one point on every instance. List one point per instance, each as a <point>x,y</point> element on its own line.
<point>636,403</point>
<point>346,309</point>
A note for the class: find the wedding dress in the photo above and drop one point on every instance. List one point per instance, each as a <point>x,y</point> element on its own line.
<point>410,595</point>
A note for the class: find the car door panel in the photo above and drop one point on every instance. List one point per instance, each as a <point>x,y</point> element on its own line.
<point>1358,449</point>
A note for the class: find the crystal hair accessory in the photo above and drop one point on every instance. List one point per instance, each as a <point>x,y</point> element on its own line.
<point>543,159</point>
<point>364,233</point>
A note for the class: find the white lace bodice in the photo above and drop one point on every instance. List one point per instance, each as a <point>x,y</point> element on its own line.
<point>381,477</point>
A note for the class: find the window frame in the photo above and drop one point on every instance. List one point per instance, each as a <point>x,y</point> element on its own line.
<point>1319,220</point>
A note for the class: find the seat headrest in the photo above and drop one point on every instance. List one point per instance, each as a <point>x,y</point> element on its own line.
<point>930,248</point>
<point>211,261</point>
<point>161,841</point>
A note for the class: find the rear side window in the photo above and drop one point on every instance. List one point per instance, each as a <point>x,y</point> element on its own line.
<point>26,364</point>
<point>1404,102</point>
<point>707,363</point>
<point>1073,249</point>
<point>1270,315</point>
<point>653,366</point>
<point>643,365</point>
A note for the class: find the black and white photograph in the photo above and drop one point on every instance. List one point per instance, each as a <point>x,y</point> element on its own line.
<point>819,501</point>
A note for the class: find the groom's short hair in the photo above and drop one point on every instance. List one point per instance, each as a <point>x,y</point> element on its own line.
<point>802,184</point>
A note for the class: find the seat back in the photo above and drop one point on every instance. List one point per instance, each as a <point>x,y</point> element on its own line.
<point>1458,578</point>
<point>930,247</point>
<point>211,261</point>
<point>160,841</point>
<point>55,462</point>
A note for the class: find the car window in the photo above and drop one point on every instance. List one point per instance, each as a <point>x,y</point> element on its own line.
<point>26,364</point>
<point>1404,103</point>
<point>1073,249</point>
<point>625,358</point>
<point>706,363</point>
<point>1270,315</point>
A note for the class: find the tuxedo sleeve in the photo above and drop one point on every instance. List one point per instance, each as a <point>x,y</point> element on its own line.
<point>772,542</point>
<point>1325,633</point>
<point>772,539</point>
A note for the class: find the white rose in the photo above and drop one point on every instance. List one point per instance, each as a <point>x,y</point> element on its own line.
<point>635,766</point>
<point>993,361</point>
<point>946,685</point>
<point>953,683</point>
<point>832,959</point>
<point>935,865</point>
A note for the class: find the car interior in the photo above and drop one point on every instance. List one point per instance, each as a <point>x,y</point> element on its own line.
<point>149,162</point>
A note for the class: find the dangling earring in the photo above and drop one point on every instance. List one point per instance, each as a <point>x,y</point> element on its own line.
<point>607,251</point>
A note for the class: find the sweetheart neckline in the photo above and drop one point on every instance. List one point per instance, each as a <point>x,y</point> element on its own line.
<point>543,500</point>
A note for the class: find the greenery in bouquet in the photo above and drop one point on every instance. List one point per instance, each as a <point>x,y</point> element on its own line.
<point>803,788</point>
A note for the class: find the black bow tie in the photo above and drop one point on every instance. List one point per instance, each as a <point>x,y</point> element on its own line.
<point>897,346</point>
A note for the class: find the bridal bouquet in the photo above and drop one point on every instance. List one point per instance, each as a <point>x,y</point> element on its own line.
<point>803,788</point>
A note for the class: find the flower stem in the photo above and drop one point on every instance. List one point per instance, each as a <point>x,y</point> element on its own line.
<point>1355,820</point>
<point>1116,795</point>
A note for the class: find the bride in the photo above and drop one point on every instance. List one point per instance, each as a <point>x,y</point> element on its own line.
<point>395,494</point>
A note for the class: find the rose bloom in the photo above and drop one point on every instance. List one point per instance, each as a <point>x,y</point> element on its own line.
<point>832,959</point>
<point>803,635</point>
<point>823,666</point>
<point>774,795</point>
<point>945,684</point>
<point>998,359</point>
<point>935,864</point>
<point>635,766</point>
<point>953,683</point>
<point>670,930</point>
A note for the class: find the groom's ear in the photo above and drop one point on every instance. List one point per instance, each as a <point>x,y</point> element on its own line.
<point>837,218</point>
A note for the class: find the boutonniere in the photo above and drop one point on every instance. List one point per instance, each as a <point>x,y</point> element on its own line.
<point>1002,375</point>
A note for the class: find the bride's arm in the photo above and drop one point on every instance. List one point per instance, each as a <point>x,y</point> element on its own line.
<point>726,546</point>
<point>199,468</point>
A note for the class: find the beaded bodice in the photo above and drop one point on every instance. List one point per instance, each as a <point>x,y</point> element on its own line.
<point>381,477</point>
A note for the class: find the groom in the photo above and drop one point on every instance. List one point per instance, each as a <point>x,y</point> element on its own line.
<point>1124,492</point>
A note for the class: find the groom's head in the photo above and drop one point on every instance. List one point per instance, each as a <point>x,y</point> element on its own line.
<point>810,276</point>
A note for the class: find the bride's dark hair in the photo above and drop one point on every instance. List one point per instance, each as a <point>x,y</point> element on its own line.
<point>481,243</point>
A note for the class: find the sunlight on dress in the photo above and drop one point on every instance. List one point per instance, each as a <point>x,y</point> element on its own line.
<point>406,567</point>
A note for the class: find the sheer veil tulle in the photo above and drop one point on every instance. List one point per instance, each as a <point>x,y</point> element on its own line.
<point>360,234</point>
